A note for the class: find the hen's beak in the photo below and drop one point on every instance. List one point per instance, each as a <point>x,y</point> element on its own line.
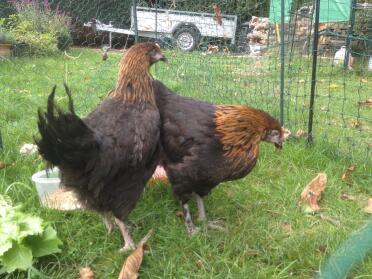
<point>164,59</point>
<point>158,56</point>
<point>278,145</point>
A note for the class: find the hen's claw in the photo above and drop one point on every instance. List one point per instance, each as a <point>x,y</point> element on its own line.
<point>216,225</point>
<point>191,231</point>
<point>109,224</point>
<point>127,247</point>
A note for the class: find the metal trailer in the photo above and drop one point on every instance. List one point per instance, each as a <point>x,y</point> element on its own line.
<point>186,28</point>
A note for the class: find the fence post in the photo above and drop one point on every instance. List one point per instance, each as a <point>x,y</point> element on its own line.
<point>313,72</point>
<point>282,56</point>
<point>134,9</point>
<point>156,20</point>
<point>349,33</point>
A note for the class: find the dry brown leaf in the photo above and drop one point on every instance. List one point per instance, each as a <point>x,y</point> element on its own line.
<point>198,263</point>
<point>286,133</point>
<point>367,103</point>
<point>312,192</point>
<point>86,273</point>
<point>301,133</point>
<point>356,124</point>
<point>345,176</point>
<point>286,227</point>
<point>179,214</point>
<point>322,248</point>
<point>133,263</point>
<point>368,208</point>
<point>347,197</point>
<point>4,165</point>
<point>364,80</point>
<point>370,144</point>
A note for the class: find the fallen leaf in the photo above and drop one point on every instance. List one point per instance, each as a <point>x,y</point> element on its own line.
<point>133,263</point>
<point>356,124</point>
<point>179,214</point>
<point>286,227</point>
<point>322,248</point>
<point>312,192</point>
<point>368,208</point>
<point>367,103</point>
<point>345,176</point>
<point>347,197</point>
<point>86,273</point>
<point>198,263</point>
<point>301,81</point>
<point>286,133</point>
<point>4,165</point>
<point>333,86</point>
<point>301,133</point>
<point>370,144</point>
<point>364,80</point>
<point>258,64</point>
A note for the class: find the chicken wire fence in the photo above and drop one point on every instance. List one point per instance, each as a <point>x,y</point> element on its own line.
<point>259,53</point>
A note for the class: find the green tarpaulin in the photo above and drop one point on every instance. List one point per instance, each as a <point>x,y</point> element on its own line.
<point>330,10</point>
<point>275,8</point>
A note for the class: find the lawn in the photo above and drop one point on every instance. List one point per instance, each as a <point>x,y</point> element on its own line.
<point>267,235</point>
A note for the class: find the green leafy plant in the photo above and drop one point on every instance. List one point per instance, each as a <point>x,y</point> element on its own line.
<point>23,237</point>
<point>5,36</point>
<point>37,29</point>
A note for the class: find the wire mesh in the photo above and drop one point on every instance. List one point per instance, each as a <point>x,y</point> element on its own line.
<point>229,52</point>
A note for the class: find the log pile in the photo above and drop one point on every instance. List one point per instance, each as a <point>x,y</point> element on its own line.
<point>303,21</point>
<point>260,29</point>
<point>303,27</point>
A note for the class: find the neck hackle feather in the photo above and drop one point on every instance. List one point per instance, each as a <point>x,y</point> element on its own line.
<point>134,79</point>
<point>241,127</point>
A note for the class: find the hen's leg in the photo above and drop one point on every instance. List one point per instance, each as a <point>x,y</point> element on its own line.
<point>216,225</point>
<point>107,220</point>
<point>128,241</point>
<point>202,216</point>
<point>190,227</point>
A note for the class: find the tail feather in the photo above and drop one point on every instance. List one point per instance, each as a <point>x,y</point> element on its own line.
<point>65,139</point>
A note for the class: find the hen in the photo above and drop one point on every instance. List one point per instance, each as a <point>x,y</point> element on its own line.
<point>108,157</point>
<point>204,144</point>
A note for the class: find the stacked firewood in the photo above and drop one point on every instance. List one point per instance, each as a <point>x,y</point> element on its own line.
<point>260,30</point>
<point>303,21</point>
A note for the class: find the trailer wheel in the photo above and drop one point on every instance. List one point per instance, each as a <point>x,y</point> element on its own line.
<point>186,38</point>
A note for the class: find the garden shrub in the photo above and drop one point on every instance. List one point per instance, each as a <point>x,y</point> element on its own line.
<point>37,29</point>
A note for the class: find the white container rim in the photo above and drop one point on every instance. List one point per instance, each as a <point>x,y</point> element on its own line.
<point>37,177</point>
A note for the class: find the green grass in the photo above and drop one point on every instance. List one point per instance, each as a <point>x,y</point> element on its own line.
<point>254,209</point>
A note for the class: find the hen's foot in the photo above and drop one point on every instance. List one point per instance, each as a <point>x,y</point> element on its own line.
<point>127,247</point>
<point>109,224</point>
<point>190,227</point>
<point>216,225</point>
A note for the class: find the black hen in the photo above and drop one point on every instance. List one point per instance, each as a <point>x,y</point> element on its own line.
<point>108,157</point>
<point>205,144</point>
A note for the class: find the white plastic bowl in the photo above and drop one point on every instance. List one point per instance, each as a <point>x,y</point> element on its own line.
<point>46,183</point>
